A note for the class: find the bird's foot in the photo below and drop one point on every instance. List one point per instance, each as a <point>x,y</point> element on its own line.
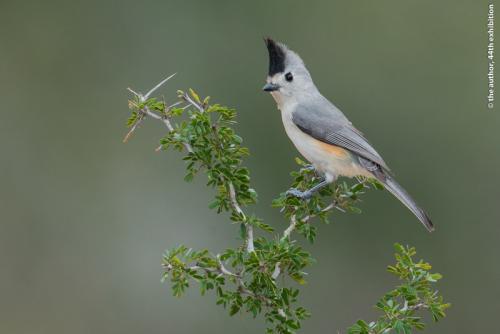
<point>299,194</point>
<point>308,168</point>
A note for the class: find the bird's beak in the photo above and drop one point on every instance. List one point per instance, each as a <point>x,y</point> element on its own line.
<point>270,87</point>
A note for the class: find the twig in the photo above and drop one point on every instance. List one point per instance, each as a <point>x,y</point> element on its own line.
<point>249,241</point>
<point>154,115</point>
<point>294,220</point>
<point>132,129</point>
<point>223,269</point>
<point>418,306</point>
<point>325,209</point>
<point>239,280</point>
<point>277,270</point>
<point>291,227</point>
<point>189,100</point>
<point>234,201</point>
<point>237,208</point>
<point>167,123</point>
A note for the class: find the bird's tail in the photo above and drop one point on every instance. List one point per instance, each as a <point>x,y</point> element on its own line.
<point>401,194</point>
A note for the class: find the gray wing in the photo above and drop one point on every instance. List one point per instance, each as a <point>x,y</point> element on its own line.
<point>323,121</point>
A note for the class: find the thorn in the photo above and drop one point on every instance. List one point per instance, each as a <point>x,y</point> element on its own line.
<point>175,104</point>
<point>127,136</point>
<point>340,209</point>
<point>134,92</point>
<point>158,86</point>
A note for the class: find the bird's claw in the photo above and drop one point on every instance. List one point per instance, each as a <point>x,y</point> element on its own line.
<point>299,194</point>
<point>308,168</point>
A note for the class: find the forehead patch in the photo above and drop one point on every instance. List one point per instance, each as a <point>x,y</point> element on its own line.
<point>276,57</point>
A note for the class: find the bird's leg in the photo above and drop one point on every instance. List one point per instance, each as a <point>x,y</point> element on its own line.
<point>308,193</point>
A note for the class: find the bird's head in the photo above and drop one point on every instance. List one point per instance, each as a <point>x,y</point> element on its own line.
<point>288,77</point>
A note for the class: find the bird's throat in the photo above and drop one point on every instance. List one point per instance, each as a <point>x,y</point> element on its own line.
<point>278,98</point>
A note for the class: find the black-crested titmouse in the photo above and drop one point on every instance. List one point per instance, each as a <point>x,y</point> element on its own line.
<point>321,132</point>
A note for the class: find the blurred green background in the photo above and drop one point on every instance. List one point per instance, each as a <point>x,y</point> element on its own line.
<point>85,218</point>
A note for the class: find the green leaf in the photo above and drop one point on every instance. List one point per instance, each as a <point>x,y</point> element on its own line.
<point>189,177</point>
<point>243,231</point>
<point>132,119</point>
<point>434,277</point>
<point>194,95</point>
<point>234,309</point>
<point>298,278</point>
<point>214,204</point>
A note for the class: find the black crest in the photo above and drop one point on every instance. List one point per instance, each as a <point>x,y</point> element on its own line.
<point>276,57</point>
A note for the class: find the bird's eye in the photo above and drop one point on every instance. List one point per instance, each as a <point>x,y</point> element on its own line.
<point>289,76</point>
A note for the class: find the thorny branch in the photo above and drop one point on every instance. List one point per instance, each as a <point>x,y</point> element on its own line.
<point>166,120</point>
<point>254,268</point>
<point>306,219</point>
<point>146,111</point>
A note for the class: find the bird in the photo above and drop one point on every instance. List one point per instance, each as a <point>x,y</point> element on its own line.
<point>322,133</point>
